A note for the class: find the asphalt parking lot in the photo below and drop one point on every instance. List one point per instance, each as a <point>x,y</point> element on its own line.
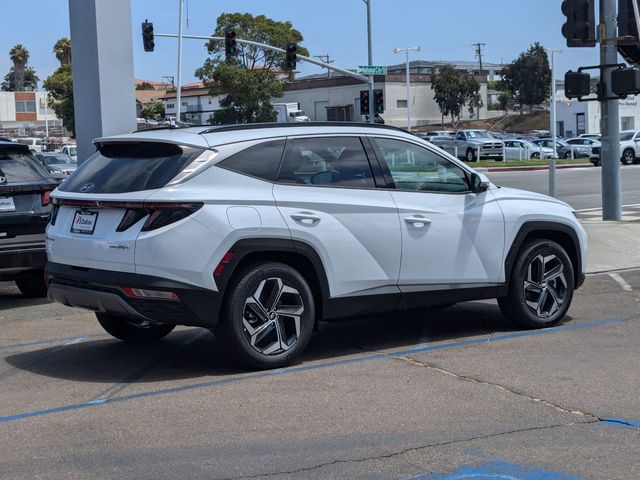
<point>442,394</point>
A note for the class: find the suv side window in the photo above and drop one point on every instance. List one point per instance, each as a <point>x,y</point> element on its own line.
<point>328,161</point>
<point>418,169</point>
<point>261,161</point>
<point>460,136</point>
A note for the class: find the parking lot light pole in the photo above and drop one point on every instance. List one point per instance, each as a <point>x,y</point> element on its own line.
<point>552,163</point>
<point>408,78</point>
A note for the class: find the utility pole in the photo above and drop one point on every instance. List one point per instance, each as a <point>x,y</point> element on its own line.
<point>552,163</point>
<point>326,59</point>
<point>172,79</point>
<point>179,74</point>
<point>370,58</point>
<point>408,78</point>
<point>610,121</point>
<point>479,53</point>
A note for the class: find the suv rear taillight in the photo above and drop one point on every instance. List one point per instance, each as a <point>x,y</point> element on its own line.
<point>45,198</point>
<point>158,215</point>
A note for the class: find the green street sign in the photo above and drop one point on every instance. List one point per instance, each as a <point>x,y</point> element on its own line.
<point>371,70</point>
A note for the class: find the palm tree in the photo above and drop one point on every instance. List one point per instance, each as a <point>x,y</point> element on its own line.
<point>19,56</point>
<point>62,49</point>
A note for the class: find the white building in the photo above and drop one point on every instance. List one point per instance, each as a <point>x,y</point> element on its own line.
<point>575,118</point>
<point>23,111</point>
<point>197,104</point>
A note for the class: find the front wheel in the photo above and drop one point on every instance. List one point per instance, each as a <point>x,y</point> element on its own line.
<point>132,331</point>
<point>540,287</point>
<point>268,316</point>
<point>628,157</point>
<point>535,156</point>
<point>471,155</point>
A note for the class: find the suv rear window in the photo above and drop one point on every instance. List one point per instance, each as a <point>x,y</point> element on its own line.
<point>17,165</point>
<point>130,167</point>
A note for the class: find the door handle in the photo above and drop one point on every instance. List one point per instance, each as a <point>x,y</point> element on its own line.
<point>306,218</point>
<point>417,221</point>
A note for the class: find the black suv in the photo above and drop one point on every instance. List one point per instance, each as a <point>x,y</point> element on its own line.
<point>24,213</point>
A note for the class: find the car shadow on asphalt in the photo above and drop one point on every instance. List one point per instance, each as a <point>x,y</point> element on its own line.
<point>193,353</point>
<point>10,297</point>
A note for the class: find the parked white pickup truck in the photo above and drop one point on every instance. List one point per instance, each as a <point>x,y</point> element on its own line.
<point>468,144</point>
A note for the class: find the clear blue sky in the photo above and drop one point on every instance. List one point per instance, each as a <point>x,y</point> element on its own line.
<point>445,29</point>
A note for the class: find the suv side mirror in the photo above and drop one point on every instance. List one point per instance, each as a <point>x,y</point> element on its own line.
<point>477,183</point>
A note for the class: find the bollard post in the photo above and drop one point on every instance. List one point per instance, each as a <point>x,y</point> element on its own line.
<point>479,152</point>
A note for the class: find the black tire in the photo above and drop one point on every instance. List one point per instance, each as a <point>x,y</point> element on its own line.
<point>471,155</point>
<point>32,284</point>
<point>239,313</point>
<point>596,163</point>
<point>567,155</point>
<point>628,157</point>
<point>132,331</point>
<point>499,159</point>
<point>515,306</point>
<point>535,156</point>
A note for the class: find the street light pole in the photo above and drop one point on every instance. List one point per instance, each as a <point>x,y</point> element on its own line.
<point>552,163</point>
<point>370,58</point>
<point>408,79</point>
<point>179,73</point>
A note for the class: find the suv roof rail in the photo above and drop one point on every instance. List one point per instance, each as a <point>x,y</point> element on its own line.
<point>252,126</point>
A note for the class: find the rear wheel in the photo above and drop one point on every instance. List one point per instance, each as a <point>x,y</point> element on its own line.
<point>541,286</point>
<point>268,316</point>
<point>628,156</point>
<point>132,331</point>
<point>567,155</point>
<point>535,156</point>
<point>32,284</point>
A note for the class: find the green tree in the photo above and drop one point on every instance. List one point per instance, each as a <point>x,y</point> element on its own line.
<point>30,81</point>
<point>453,90</point>
<point>528,77</point>
<point>60,88</point>
<point>62,49</point>
<point>153,111</point>
<point>19,55</point>
<point>251,80</point>
<point>145,86</point>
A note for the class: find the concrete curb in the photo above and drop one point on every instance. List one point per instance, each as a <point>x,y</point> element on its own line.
<point>533,168</point>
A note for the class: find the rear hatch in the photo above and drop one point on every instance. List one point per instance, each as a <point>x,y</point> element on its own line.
<point>24,198</point>
<point>101,208</point>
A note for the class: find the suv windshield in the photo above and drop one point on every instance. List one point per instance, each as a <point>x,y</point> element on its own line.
<point>18,166</point>
<point>626,136</point>
<point>130,167</point>
<point>58,160</point>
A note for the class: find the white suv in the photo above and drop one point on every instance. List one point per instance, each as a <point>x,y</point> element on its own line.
<point>260,231</point>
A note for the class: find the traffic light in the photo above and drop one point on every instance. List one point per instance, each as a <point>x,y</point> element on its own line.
<point>291,57</point>
<point>378,100</point>
<point>625,81</point>
<point>147,36</point>
<point>364,102</point>
<point>230,44</point>
<point>628,42</point>
<point>577,84</point>
<point>580,27</point>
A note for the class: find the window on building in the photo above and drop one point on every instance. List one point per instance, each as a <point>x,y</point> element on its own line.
<point>401,103</point>
<point>25,107</point>
<point>628,123</point>
<point>171,105</point>
<point>340,114</point>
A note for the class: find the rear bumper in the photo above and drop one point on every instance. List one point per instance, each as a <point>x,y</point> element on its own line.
<point>100,291</point>
<point>18,258</point>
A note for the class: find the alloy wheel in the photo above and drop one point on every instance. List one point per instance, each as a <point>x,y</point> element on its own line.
<point>272,317</point>
<point>545,287</point>
<point>628,157</point>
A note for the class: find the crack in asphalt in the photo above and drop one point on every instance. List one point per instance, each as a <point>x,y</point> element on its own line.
<point>407,450</point>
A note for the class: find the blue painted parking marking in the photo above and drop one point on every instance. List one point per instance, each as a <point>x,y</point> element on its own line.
<point>47,341</point>
<point>621,422</point>
<point>317,366</point>
<point>496,470</point>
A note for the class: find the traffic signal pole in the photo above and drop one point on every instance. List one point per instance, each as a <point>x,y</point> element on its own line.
<point>610,115</point>
<point>179,72</point>
<point>370,52</point>
<point>313,61</point>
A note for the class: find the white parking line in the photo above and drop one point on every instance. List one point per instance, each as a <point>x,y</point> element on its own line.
<point>620,281</point>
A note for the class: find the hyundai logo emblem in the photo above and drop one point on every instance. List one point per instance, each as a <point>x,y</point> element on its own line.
<point>87,187</point>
